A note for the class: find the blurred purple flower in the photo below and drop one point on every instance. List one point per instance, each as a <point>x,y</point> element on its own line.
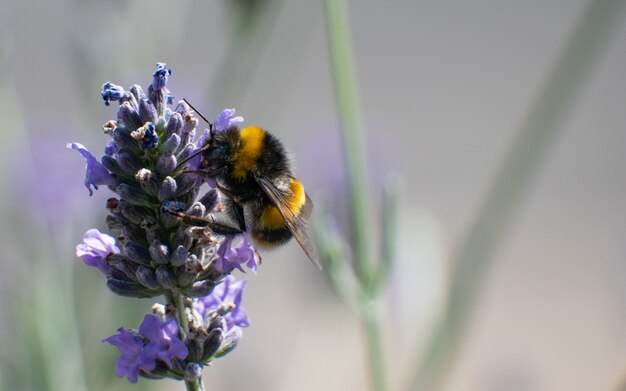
<point>164,343</point>
<point>229,292</point>
<point>229,258</point>
<point>96,174</point>
<point>95,249</point>
<point>130,361</point>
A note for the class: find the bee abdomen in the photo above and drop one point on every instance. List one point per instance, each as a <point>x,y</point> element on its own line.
<point>270,238</point>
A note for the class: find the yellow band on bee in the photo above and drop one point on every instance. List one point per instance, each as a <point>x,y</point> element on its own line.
<point>246,157</point>
<point>271,217</point>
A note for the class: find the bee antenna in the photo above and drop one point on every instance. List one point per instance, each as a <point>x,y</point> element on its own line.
<point>197,112</point>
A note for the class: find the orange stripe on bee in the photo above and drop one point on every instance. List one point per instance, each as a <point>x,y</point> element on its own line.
<point>245,159</point>
<point>271,217</point>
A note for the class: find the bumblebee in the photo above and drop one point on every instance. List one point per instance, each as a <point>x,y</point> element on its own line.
<point>252,169</point>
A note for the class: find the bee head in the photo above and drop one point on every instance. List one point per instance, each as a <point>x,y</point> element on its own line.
<point>222,147</point>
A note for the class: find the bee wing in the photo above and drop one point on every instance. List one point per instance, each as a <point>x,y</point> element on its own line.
<point>297,224</point>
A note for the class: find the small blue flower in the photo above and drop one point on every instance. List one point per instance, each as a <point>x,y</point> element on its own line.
<point>164,343</point>
<point>229,292</point>
<point>96,174</point>
<point>113,92</point>
<point>161,75</point>
<point>226,120</point>
<point>229,258</point>
<point>130,361</point>
<point>95,249</point>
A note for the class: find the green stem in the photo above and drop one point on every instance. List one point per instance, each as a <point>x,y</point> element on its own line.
<point>374,344</point>
<point>177,300</point>
<point>348,107</point>
<point>476,253</point>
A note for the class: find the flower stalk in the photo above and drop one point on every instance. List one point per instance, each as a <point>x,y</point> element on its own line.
<point>369,276</point>
<point>161,246</point>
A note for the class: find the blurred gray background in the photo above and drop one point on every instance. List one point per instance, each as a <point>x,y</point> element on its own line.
<point>444,87</point>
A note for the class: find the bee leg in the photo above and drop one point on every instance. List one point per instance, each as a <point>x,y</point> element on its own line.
<point>218,227</point>
<point>193,220</point>
<point>223,229</point>
<point>235,211</point>
<point>205,173</point>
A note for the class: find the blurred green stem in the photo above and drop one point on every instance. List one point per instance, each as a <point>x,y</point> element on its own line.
<point>348,108</point>
<point>563,85</point>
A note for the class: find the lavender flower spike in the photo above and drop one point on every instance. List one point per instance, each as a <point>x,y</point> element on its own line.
<point>95,249</point>
<point>96,174</point>
<point>162,252</point>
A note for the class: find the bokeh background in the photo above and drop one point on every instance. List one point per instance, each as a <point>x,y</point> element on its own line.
<point>446,89</point>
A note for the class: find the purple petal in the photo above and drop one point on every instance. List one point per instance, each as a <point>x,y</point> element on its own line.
<point>96,174</point>
<point>164,342</point>
<point>225,120</point>
<point>130,347</point>
<point>228,292</point>
<point>95,248</point>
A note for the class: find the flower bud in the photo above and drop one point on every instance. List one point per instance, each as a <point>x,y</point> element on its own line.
<point>166,164</point>
<point>129,289</point>
<point>179,256</point>
<point>147,277</point>
<point>148,181</point>
<point>199,289</point>
<point>187,150</point>
<point>230,342</point>
<point>172,143</point>
<point>113,222</point>
<point>174,125</point>
<point>210,199</point>
<point>137,92</point>
<point>184,183</point>
<point>128,162</point>
<point>137,253</point>
<point>113,166</point>
<point>212,343</point>
<point>165,277</point>
<point>128,116</point>
<point>197,209</point>
<point>182,108</point>
<point>134,195</point>
<point>168,189</point>
<point>195,344</point>
<point>123,140</point>
<point>160,253</point>
<point>147,111</point>
<point>189,271</point>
